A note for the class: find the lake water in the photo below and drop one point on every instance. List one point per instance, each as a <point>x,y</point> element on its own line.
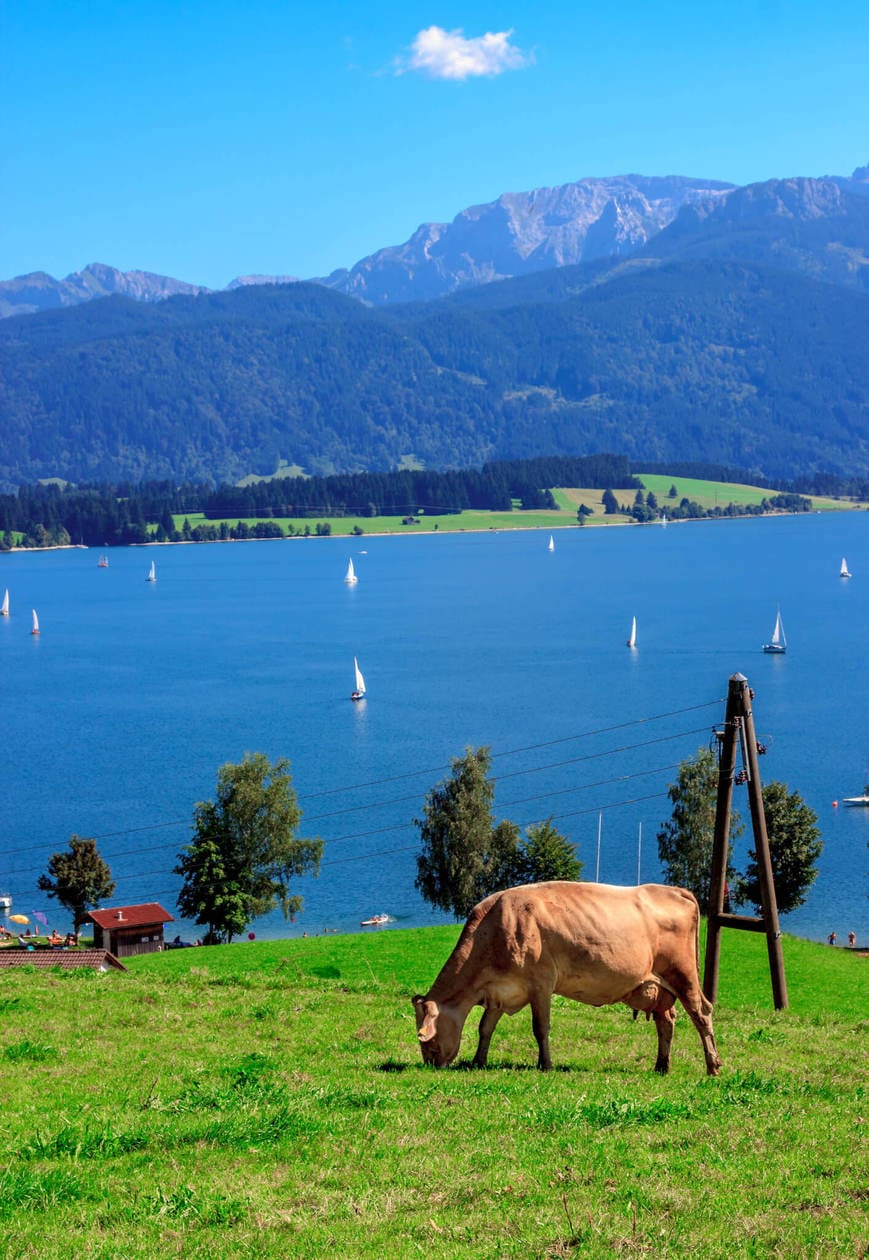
<point>116,718</point>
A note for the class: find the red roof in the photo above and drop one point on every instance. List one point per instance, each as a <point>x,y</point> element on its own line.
<point>100,959</point>
<point>148,915</point>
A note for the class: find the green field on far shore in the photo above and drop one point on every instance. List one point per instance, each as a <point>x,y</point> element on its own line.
<point>709,494</point>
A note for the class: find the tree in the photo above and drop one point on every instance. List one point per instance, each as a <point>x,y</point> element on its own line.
<point>244,850</point>
<point>610,503</point>
<point>79,879</point>
<point>545,854</point>
<point>685,840</point>
<point>465,855</point>
<point>794,848</point>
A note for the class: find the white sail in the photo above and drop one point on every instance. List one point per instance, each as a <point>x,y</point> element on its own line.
<point>35,629</point>
<point>350,576</point>
<point>843,571</point>
<point>4,607</point>
<point>360,680</point>
<point>778,642</point>
<point>551,546</point>
<point>152,573</point>
<point>632,640</point>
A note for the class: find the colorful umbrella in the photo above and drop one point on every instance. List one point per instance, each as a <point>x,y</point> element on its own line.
<point>37,914</point>
<point>18,918</point>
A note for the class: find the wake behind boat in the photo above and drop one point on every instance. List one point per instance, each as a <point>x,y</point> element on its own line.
<point>778,644</point>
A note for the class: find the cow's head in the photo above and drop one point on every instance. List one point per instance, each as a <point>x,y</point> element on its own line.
<point>438,1030</point>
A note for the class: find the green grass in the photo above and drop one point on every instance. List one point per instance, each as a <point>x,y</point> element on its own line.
<point>460,521</point>
<point>269,1100</point>
<point>710,493</point>
<point>706,493</point>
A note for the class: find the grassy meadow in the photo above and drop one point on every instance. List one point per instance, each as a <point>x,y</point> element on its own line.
<point>707,493</point>
<point>269,1100</point>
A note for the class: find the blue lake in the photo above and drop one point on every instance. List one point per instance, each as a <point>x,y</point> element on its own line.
<point>116,718</point>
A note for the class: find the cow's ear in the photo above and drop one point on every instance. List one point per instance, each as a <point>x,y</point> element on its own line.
<point>428,1027</point>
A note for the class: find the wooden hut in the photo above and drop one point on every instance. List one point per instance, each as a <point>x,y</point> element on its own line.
<point>127,930</point>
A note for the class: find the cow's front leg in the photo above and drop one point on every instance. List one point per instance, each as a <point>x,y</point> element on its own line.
<point>540,1012</point>
<point>491,1015</point>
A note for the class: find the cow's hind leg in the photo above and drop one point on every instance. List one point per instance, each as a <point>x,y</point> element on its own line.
<point>655,1000</point>
<point>699,1007</point>
<point>491,1015</point>
<point>665,1022</point>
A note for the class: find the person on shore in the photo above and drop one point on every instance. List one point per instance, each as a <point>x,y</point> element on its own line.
<point>852,939</point>
<point>832,938</point>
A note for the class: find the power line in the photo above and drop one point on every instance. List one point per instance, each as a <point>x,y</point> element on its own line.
<point>624,778</point>
<point>511,752</point>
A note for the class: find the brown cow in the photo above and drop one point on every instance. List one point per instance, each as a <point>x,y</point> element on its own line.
<point>594,943</point>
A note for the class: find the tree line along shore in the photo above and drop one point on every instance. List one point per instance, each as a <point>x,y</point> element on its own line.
<point>545,493</point>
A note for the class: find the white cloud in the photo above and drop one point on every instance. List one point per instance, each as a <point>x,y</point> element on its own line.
<point>441,54</point>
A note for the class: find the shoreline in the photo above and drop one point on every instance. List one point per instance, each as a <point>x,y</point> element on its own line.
<point>416,533</point>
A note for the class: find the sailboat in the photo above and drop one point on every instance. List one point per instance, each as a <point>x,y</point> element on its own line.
<point>358,692</point>
<point>632,637</point>
<point>35,629</point>
<point>843,571</point>
<point>152,573</point>
<point>778,643</point>
<point>4,607</point>
<point>551,546</point>
<point>859,800</point>
<point>103,562</point>
<point>350,576</point>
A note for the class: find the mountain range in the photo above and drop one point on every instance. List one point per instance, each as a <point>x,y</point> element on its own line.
<point>515,235</point>
<point>735,334</point>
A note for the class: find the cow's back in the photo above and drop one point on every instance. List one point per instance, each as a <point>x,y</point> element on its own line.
<point>591,942</point>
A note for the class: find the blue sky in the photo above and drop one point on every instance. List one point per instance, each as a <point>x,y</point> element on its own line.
<point>205,141</point>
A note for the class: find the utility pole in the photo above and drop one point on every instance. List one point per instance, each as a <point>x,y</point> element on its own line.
<point>739,734</point>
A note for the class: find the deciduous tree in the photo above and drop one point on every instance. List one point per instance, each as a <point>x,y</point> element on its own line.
<point>79,879</point>
<point>545,854</point>
<point>794,848</point>
<point>465,854</point>
<point>685,839</point>
<point>244,851</point>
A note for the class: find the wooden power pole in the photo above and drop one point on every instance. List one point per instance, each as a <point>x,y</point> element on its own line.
<point>739,735</point>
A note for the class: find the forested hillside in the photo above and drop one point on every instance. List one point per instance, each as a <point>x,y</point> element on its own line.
<point>710,361</point>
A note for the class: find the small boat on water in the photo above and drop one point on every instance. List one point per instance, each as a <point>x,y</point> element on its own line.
<point>551,546</point>
<point>857,800</point>
<point>843,570</point>
<point>350,576</point>
<point>4,607</point>
<point>376,920</point>
<point>358,692</point>
<point>35,627</point>
<point>778,643</point>
<point>632,637</point>
<point>152,573</point>
<point>103,562</point>
<point>5,901</point>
